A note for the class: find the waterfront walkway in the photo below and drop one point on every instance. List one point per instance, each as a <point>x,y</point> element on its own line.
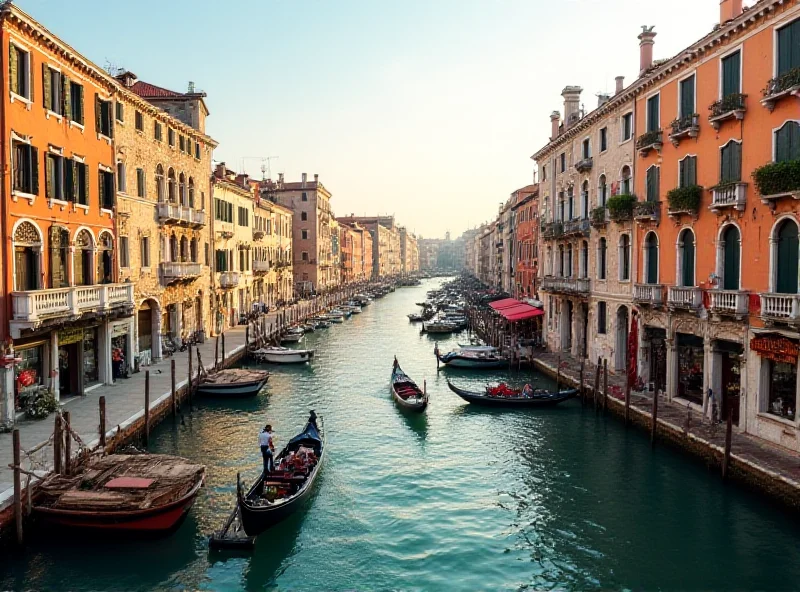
<point>124,405</point>
<point>760,459</point>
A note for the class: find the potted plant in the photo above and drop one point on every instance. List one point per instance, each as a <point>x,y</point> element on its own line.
<point>778,177</point>
<point>620,207</point>
<point>685,199</point>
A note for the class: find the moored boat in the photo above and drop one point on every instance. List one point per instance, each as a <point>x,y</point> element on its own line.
<point>282,355</point>
<point>439,327</point>
<point>122,492</point>
<point>293,336</point>
<point>405,391</point>
<point>475,359</point>
<point>502,396</point>
<point>276,495</point>
<point>233,382</point>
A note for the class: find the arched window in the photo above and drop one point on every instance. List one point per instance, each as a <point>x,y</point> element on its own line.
<point>625,181</point>
<point>160,192</point>
<point>173,248</point>
<point>787,142</point>
<point>171,186</point>
<point>686,258</point>
<point>184,249</point>
<point>105,259</point>
<point>193,250</point>
<point>786,258</point>
<point>602,249</point>
<point>27,247</point>
<point>731,162</point>
<point>182,189</point>
<point>624,258</point>
<point>83,258</point>
<point>561,262</point>
<point>730,249</point>
<point>569,261</point>
<point>585,200</point>
<point>584,262</point>
<point>59,257</point>
<point>602,192</point>
<point>570,203</point>
<point>191,192</point>
<point>651,258</point>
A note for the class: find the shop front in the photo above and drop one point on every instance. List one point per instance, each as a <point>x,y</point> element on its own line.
<point>78,360</point>
<point>728,354</point>
<point>656,340</point>
<point>120,350</point>
<point>32,371</point>
<point>691,362</point>
<point>778,388</point>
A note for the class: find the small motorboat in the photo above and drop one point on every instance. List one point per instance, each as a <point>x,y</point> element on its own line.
<point>320,324</point>
<point>474,359</point>
<point>276,495</point>
<point>308,327</point>
<point>503,396</point>
<point>439,327</point>
<point>234,382</point>
<point>122,492</point>
<point>415,318</point>
<point>406,392</point>
<point>283,355</point>
<point>294,335</point>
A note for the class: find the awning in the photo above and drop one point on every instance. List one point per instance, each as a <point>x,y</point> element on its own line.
<point>522,315</point>
<point>504,303</point>
<point>514,310</point>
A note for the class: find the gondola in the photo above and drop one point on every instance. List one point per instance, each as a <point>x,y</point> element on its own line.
<point>538,398</point>
<point>406,392</point>
<point>473,359</point>
<point>275,496</point>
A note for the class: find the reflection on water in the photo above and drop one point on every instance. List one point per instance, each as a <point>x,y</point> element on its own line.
<point>460,498</point>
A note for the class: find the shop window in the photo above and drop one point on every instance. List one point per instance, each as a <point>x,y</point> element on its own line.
<point>28,372</point>
<point>91,369</point>
<point>690,367</point>
<point>782,388</point>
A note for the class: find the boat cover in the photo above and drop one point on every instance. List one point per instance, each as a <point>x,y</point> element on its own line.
<point>311,432</point>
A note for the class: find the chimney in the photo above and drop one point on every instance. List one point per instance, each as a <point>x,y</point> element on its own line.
<point>729,9</point>
<point>304,180</point>
<point>219,173</point>
<point>646,41</point>
<point>602,99</point>
<point>620,84</point>
<point>572,104</point>
<point>280,179</point>
<point>316,178</point>
<point>191,87</point>
<point>555,118</point>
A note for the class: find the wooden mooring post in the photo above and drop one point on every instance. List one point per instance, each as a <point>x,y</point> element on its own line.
<point>67,442</point>
<point>58,440</point>
<point>580,384</point>
<point>605,384</point>
<point>191,378</point>
<point>726,460</point>
<point>222,359</point>
<point>596,392</point>
<point>216,352</point>
<point>18,486</point>
<point>654,427</point>
<point>558,371</point>
<point>172,385</point>
<point>627,400</point>
<point>146,408</point>
<point>103,423</point>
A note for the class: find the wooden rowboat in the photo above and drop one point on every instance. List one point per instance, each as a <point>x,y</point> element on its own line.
<point>535,399</point>
<point>234,382</point>
<point>405,391</point>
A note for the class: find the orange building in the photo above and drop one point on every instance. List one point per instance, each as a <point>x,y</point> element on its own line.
<point>717,177</point>
<point>61,306</point>
<point>526,223</point>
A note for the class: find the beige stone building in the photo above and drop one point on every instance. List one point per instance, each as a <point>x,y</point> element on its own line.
<point>233,246</point>
<point>409,252</point>
<point>386,252</point>
<point>163,169</point>
<point>272,252</point>
<point>587,258</point>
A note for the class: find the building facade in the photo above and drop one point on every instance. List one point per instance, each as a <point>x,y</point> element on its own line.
<point>526,236</point>
<point>273,277</point>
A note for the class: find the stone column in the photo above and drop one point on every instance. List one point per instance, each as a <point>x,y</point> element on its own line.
<point>104,352</point>
<point>177,320</point>
<point>7,411</point>
<point>672,367</point>
<point>54,372</point>
<point>712,377</point>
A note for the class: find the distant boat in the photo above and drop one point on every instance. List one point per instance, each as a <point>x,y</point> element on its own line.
<point>514,397</point>
<point>482,358</point>
<point>293,336</point>
<point>283,355</point>
<point>234,382</point>
<point>406,392</point>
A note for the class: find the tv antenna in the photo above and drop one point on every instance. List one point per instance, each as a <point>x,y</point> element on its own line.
<point>266,169</point>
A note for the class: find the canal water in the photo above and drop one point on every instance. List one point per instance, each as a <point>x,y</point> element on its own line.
<point>460,498</point>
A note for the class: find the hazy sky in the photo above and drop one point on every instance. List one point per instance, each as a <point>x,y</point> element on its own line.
<point>428,109</point>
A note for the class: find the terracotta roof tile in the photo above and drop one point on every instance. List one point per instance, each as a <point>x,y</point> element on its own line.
<point>151,91</point>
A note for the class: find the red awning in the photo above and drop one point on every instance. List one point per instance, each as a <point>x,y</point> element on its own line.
<point>530,313</point>
<point>504,303</point>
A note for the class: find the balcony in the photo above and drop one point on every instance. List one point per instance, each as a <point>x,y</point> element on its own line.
<point>648,294</point>
<point>684,127</point>
<point>258,234</point>
<point>551,230</point>
<point>731,107</point>
<point>559,285</point>
<point>584,165</point>
<point>178,271</point>
<point>261,266</point>
<point>780,87</point>
<point>224,229</point>
<point>728,195</point>
<point>684,297</point>
<point>170,213</point>
<point>600,217</point>
<point>778,180</point>
<point>780,307</point>
<point>647,211</point>
<point>649,141</point>
<point>684,200</point>
<point>228,279</point>
<point>577,227</point>
<point>729,302</point>
<point>35,308</point>
<point>620,208</point>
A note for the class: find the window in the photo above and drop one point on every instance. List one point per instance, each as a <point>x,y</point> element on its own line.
<point>139,121</point>
<point>625,258</point>
<point>53,85</point>
<point>121,183</point>
<point>601,318</point>
<point>627,126</point>
<point>76,102</point>
<point>19,72</point>
<point>782,387</point>
<point>197,151</point>
<point>586,149</point>
<point>625,181</point>
<point>103,117</point>
<point>730,250</point>
<point>583,264</point>
<point>687,97</point>
<point>140,183</point>
<point>304,234</point>
<point>570,203</point>
<point>304,197</point>
<point>601,258</point>
<point>563,160</point>
<point>651,258</point>
<point>78,183</point>
<point>55,185</point>
<point>158,133</point>
<point>120,112</point>
<point>786,259</point>
<point>787,142</point>
<point>544,172</point>
<point>303,216</point>
<point>244,217</point>
<point>171,136</point>
<point>26,168</point>
<point>304,256</point>
<point>221,260</point>
<point>788,48</point>
<point>182,189</point>
<point>206,250</point>
<point>652,181</point>
<point>189,146</point>
<point>654,113</point>
<point>191,192</point>
<point>585,200</point>
<point>602,192</point>
<point>731,163</point>
<point>145,245</point>
<point>731,74</point>
<point>182,143</point>
<point>686,258</point>
<point>604,139</point>
<point>124,254</point>
<point>223,211</point>
<point>687,172</point>
<point>106,184</point>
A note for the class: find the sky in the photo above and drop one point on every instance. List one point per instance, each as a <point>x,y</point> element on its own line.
<point>425,109</point>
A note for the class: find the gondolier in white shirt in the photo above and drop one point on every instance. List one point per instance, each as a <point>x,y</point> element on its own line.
<point>267,448</point>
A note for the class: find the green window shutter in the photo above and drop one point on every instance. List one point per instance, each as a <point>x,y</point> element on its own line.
<point>682,166</point>
<point>98,114</point>
<point>687,97</point>
<point>66,107</point>
<point>653,122</point>
<point>69,179</point>
<point>731,83</point>
<point>85,170</point>
<point>13,68</point>
<point>789,47</point>
<point>736,162</point>
<point>48,91</point>
<point>787,142</point>
<point>49,174</point>
<point>35,169</point>
<point>101,188</point>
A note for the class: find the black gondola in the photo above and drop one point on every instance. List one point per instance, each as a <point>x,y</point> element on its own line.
<point>406,392</point>
<point>536,399</point>
<point>280,493</point>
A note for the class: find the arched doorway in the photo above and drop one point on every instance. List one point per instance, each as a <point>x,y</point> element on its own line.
<point>686,246</point>
<point>787,258</point>
<point>731,245</point>
<point>147,321</point>
<point>621,353</point>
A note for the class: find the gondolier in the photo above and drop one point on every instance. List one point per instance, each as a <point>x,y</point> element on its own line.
<point>267,448</point>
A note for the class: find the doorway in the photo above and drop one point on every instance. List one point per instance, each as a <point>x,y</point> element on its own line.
<point>69,369</point>
<point>621,357</point>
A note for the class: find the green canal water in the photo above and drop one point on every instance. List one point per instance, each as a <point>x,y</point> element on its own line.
<point>460,498</point>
